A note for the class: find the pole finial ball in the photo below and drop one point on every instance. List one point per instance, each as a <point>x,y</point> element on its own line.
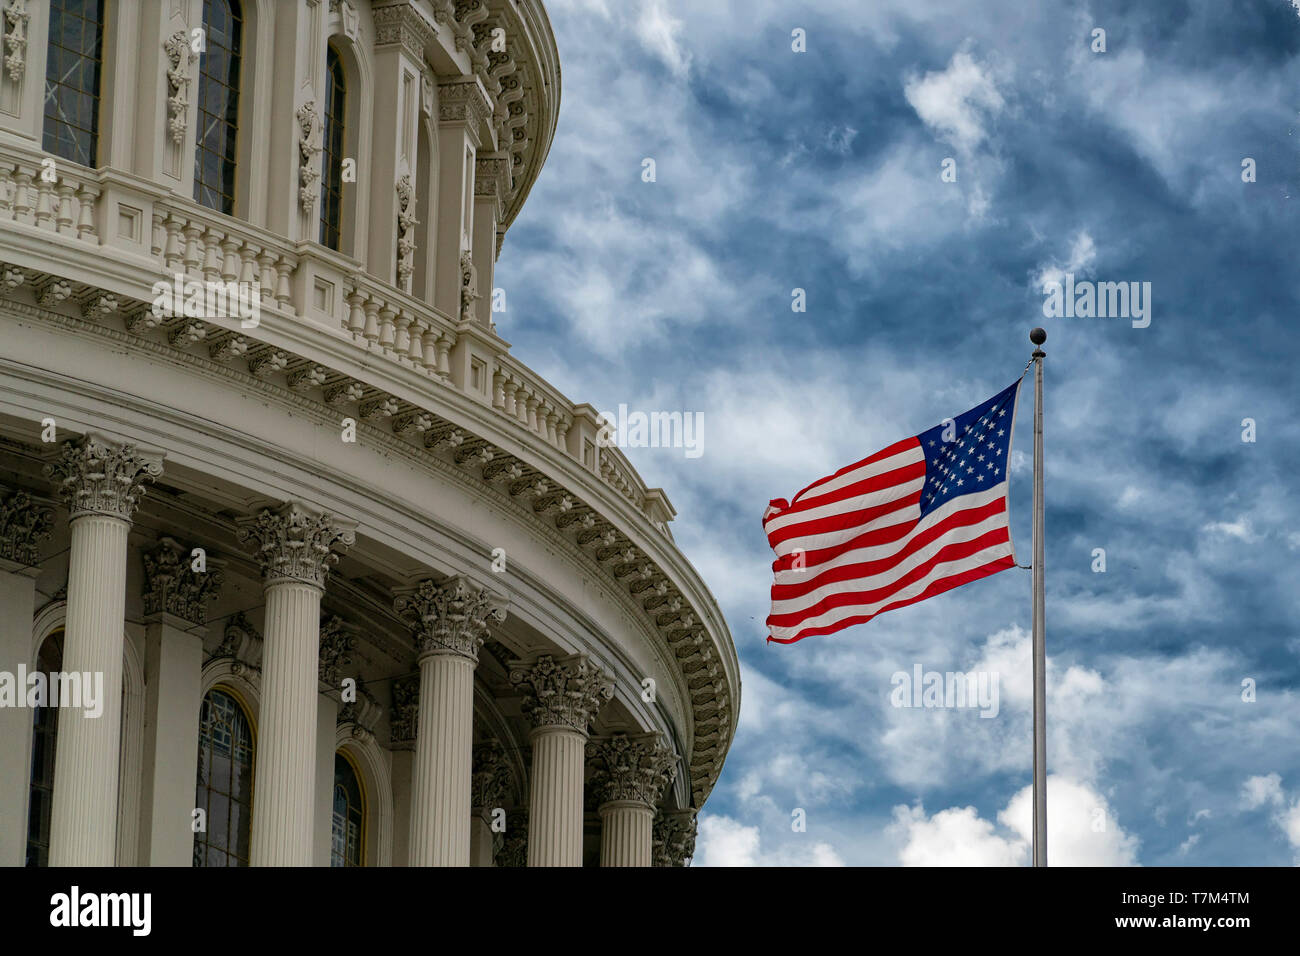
<point>1038,336</point>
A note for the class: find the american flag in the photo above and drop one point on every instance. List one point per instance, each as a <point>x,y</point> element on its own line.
<point>915,519</point>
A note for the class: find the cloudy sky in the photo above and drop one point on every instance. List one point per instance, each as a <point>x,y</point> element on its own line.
<point>778,170</point>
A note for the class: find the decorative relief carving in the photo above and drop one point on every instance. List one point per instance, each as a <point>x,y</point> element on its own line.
<point>337,640</point>
<point>362,713</point>
<point>468,287</point>
<point>24,524</point>
<point>406,223</point>
<point>404,718</point>
<point>401,23</point>
<point>295,544</point>
<point>490,783</point>
<point>96,476</point>
<point>16,20</point>
<point>514,848</point>
<point>179,55</point>
<point>172,586</point>
<point>309,147</point>
<point>632,768</point>
<point>463,101</point>
<point>451,616</point>
<point>242,643</point>
<point>673,841</point>
<point>561,693</point>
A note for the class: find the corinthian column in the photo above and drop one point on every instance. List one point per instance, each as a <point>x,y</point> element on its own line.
<point>561,698</point>
<point>674,837</point>
<point>450,622</point>
<point>631,774</point>
<point>102,483</point>
<point>294,546</point>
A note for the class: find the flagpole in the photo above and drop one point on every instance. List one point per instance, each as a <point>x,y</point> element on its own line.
<point>1038,337</point>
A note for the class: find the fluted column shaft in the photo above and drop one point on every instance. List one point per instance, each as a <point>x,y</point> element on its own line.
<point>102,482</point>
<point>450,622</point>
<point>83,825</point>
<point>286,759</point>
<point>555,801</point>
<point>625,833</point>
<point>294,545</point>
<point>440,797</point>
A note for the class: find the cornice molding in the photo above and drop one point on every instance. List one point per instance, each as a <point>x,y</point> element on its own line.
<point>708,698</point>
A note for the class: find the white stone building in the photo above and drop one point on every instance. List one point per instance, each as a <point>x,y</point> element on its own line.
<point>358,584</point>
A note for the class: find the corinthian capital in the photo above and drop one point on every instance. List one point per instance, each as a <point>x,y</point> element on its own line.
<point>96,476</point>
<point>296,543</point>
<point>172,586</point>
<point>674,838</point>
<point>561,693</point>
<point>24,524</point>
<point>632,768</point>
<point>451,616</point>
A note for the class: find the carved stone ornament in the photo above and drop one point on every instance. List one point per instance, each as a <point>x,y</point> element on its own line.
<point>362,713</point>
<point>98,477</point>
<point>514,849</point>
<point>337,641</point>
<point>632,768</point>
<point>16,20</point>
<point>449,617</point>
<point>468,287</point>
<point>405,715</point>
<point>179,55</point>
<point>24,524</point>
<point>310,135</point>
<point>172,586</point>
<point>491,780</point>
<point>242,643</point>
<point>402,23</point>
<point>406,223</point>
<point>463,101</point>
<point>561,693</point>
<point>295,544</point>
<point>673,840</point>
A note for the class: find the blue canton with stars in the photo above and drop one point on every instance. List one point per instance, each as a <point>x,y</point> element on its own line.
<point>975,457</point>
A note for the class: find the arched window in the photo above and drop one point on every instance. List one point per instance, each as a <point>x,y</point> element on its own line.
<point>72,67</point>
<point>225,781</point>
<point>331,180</point>
<point>45,726</point>
<point>214,152</point>
<point>348,830</point>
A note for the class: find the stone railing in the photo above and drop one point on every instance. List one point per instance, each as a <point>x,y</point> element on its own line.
<point>135,223</point>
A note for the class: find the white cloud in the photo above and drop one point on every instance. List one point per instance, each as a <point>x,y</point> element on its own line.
<point>1239,529</point>
<point>1261,790</point>
<point>954,837</point>
<point>659,32</point>
<point>958,101</point>
<point>1081,831</point>
<point>1083,253</point>
<point>723,841</point>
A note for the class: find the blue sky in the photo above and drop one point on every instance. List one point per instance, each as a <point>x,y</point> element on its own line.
<point>820,170</point>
